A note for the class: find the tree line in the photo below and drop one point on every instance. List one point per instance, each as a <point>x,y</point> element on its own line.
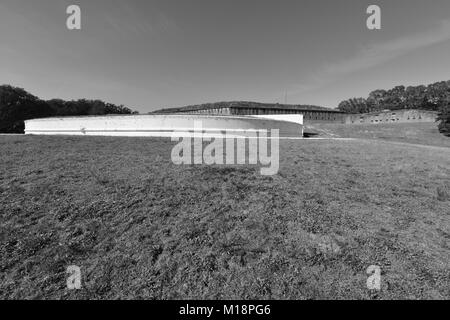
<point>434,97</point>
<point>17,105</point>
<point>431,97</point>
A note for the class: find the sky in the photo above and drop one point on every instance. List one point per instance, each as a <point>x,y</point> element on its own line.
<point>149,54</point>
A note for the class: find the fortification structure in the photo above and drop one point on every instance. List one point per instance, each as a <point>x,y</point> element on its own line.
<point>310,113</point>
<point>392,116</point>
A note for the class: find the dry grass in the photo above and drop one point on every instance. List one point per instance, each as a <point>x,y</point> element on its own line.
<point>141,227</point>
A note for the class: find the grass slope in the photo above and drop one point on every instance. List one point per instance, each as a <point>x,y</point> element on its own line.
<point>426,133</point>
<point>141,227</point>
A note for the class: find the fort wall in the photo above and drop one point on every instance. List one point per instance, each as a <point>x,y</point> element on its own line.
<point>394,116</point>
<point>159,125</point>
<point>308,115</point>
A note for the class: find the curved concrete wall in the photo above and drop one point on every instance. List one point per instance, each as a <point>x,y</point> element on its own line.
<point>157,125</point>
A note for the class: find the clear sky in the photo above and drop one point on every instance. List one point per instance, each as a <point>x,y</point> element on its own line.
<point>153,54</point>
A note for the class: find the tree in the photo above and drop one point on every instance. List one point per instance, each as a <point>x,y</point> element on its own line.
<point>444,119</point>
<point>120,109</point>
<point>395,99</point>
<point>376,99</point>
<point>355,105</point>
<point>416,97</point>
<point>17,105</point>
<point>430,97</point>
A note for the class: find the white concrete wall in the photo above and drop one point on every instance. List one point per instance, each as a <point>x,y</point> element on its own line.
<point>156,125</point>
<point>296,118</point>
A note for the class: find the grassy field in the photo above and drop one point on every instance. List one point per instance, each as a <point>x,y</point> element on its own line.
<point>141,227</point>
